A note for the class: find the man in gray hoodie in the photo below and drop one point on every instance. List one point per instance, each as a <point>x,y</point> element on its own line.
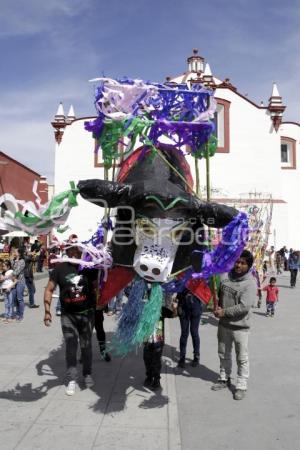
<point>237,295</point>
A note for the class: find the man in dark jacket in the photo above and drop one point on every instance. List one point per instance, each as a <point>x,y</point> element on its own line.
<point>29,280</point>
<point>236,297</point>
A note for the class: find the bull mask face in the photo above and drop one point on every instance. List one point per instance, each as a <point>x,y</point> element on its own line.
<point>157,242</point>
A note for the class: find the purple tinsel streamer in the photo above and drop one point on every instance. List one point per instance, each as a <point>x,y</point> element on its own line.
<point>97,240</point>
<point>181,114</point>
<point>222,258</point>
<point>177,104</point>
<point>134,98</point>
<point>193,134</point>
<point>95,126</point>
<point>178,284</point>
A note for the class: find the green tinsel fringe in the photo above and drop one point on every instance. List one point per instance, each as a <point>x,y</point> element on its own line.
<point>150,316</point>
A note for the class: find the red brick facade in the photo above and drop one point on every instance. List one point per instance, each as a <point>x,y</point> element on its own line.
<point>17,179</point>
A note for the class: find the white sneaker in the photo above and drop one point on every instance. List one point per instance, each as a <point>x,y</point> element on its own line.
<point>88,380</point>
<point>70,389</point>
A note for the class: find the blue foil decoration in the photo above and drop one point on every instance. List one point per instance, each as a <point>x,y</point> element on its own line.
<point>130,317</point>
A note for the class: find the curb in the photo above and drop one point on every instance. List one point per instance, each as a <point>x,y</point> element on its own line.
<point>174,437</point>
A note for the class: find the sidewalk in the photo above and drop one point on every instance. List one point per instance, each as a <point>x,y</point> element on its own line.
<point>268,418</point>
<point>118,413</point>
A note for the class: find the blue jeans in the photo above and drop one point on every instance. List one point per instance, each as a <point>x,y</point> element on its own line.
<point>116,302</point>
<point>271,308</point>
<point>18,298</point>
<point>31,290</point>
<point>189,322</point>
<point>8,302</point>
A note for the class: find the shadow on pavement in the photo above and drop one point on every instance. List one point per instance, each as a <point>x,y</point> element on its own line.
<point>115,381</point>
<point>52,367</point>
<point>128,375</point>
<point>202,372</point>
<point>259,313</point>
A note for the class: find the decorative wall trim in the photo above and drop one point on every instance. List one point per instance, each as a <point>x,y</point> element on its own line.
<point>290,123</point>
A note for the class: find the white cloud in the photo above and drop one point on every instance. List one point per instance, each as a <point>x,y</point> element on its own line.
<point>32,143</point>
<point>30,17</point>
<point>26,133</point>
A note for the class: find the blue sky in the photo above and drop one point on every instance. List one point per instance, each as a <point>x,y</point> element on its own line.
<point>49,51</point>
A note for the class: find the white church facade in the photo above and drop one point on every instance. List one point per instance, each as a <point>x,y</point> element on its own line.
<point>256,159</point>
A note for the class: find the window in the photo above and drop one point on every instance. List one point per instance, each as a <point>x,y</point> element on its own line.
<point>284,153</point>
<point>221,121</point>
<point>3,209</point>
<point>288,153</point>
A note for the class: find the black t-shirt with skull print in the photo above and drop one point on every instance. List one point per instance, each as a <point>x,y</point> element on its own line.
<point>77,287</point>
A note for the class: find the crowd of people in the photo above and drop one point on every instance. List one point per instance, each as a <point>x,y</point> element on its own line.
<point>237,295</point>
<point>282,260</point>
<point>76,291</point>
<point>17,267</point>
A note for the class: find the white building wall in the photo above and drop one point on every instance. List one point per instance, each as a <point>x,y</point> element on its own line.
<point>252,165</point>
<point>291,187</point>
<point>74,161</point>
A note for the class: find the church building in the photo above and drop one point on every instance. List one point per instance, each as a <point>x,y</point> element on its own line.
<point>255,162</point>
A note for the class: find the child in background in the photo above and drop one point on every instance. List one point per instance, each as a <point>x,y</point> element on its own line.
<point>272,296</point>
<point>265,269</point>
<point>7,284</point>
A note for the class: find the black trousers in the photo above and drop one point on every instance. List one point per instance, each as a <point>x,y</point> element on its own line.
<point>101,337</point>
<point>76,326</point>
<point>152,358</point>
<point>294,273</point>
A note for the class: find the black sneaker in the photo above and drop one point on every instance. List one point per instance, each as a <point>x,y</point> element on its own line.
<point>155,385</point>
<point>195,362</point>
<point>107,357</point>
<point>181,363</point>
<point>148,382</point>
<point>104,354</point>
<point>221,384</point>
<point>34,306</point>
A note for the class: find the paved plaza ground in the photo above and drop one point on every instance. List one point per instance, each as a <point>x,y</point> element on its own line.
<point>118,413</point>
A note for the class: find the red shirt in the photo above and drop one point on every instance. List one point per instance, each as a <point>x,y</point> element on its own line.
<point>272,293</point>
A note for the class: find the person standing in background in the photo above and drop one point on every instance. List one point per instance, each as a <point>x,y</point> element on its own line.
<point>293,264</point>
<point>272,296</point>
<point>29,280</point>
<point>18,267</point>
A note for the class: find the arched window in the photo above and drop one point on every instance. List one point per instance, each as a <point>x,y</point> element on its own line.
<point>288,153</point>
<point>221,121</point>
